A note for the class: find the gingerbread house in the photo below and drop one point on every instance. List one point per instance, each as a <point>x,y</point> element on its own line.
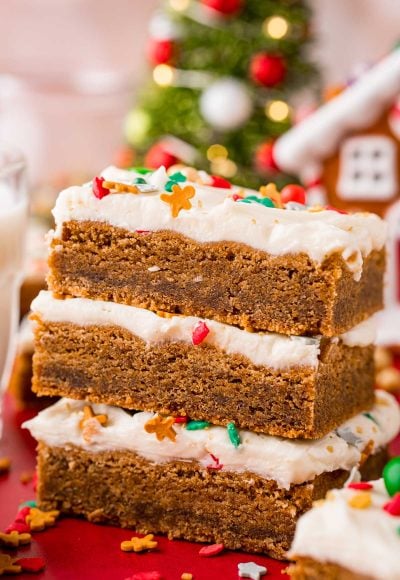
<point>347,154</point>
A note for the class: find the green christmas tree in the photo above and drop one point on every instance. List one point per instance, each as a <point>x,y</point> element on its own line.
<point>223,74</point>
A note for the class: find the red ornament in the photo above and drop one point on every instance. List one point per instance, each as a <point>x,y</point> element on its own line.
<point>393,506</point>
<point>212,550</point>
<point>267,70</point>
<point>31,564</point>
<point>225,7</point>
<point>360,485</point>
<point>157,156</point>
<point>217,181</point>
<point>97,186</point>
<point>293,193</point>
<point>160,51</point>
<point>264,158</point>
<point>199,333</point>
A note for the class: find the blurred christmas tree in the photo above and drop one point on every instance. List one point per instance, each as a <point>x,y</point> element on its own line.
<point>223,74</point>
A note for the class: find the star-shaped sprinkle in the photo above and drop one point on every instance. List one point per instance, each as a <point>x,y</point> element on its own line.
<point>139,544</point>
<point>8,566</point>
<point>38,520</point>
<point>179,198</point>
<point>14,539</point>
<point>118,187</point>
<point>360,501</point>
<point>162,427</point>
<point>251,570</point>
<point>272,192</point>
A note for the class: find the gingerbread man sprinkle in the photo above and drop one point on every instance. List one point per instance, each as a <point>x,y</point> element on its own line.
<point>14,539</point>
<point>38,520</point>
<point>179,198</point>
<point>90,423</point>
<point>162,427</point>
<point>120,187</point>
<point>139,544</point>
<point>7,565</point>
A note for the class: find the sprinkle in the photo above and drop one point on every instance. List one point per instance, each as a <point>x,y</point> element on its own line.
<point>331,208</point>
<point>199,333</point>
<point>139,544</point>
<point>368,449</point>
<point>251,570</point>
<point>236,196</point>
<point>348,436</point>
<point>90,423</point>
<point>233,434</point>
<point>141,170</point>
<point>14,539</point>
<point>154,575</point>
<point>329,448</point>
<point>216,466</point>
<point>371,417</point>
<point>154,269</point>
<point>162,427</point>
<point>392,507</point>
<point>118,187</point>
<point>38,520</point>
<point>180,419</point>
<point>18,527</point>
<point>8,565</point>
<point>266,201</point>
<point>360,501</point>
<point>30,503</point>
<point>360,485</point>
<point>212,550</point>
<point>270,191</point>
<point>89,414</point>
<point>398,530</point>
<point>5,464</point>
<point>179,199</point>
<point>186,576</point>
<point>98,188</point>
<point>217,181</point>
<point>31,564</point>
<point>26,477</point>
<point>139,180</point>
<point>196,425</point>
<point>143,232</point>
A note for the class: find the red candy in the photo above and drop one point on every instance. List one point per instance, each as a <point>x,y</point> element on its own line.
<point>236,197</point>
<point>331,208</point>
<point>392,507</point>
<point>180,420</point>
<point>293,193</point>
<point>199,333</point>
<point>212,550</point>
<point>146,576</point>
<point>217,181</point>
<point>361,485</point>
<point>97,186</point>
<point>31,564</point>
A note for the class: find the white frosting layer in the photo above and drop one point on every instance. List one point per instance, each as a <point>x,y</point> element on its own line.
<point>263,349</point>
<point>215,217</point>
<point>284,460</point>
<point>365,541</point>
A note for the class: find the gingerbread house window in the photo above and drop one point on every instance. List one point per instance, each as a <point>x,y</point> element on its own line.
<point>367,168</point>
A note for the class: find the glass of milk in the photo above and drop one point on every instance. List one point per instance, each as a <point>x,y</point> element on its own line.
<point>13,223</point>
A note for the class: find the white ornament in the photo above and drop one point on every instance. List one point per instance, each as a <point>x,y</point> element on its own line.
<point>161,27</point>
<point>226,104</point>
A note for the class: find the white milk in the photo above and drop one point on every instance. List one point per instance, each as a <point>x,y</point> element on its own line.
<point>13,216</point>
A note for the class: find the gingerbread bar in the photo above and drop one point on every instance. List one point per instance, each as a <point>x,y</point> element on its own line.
<point>220,254</point>
<point>121,355</point>
<point>212,485</point>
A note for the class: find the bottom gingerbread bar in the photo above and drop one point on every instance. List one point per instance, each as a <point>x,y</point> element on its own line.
<point>246,492</point>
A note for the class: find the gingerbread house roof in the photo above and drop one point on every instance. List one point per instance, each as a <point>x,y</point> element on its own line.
<point>301,150</point>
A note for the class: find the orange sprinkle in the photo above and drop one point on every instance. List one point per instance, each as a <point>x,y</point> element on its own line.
<point>162,427</point>
<point>360,501</point>
<point>179,198</point>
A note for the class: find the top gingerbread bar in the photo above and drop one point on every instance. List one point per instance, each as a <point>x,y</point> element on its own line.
<point>241,257</point>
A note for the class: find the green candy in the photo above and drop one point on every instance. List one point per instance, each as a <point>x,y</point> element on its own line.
<point>142,170</point>
<point>139,180</point>
<point>391,476</point>
<point>29,503</point>
<point>233,434</point>
<point>169,185</point>
<point>177,177</point>
<point>196,425</point>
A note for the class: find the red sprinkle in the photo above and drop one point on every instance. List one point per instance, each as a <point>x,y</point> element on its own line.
<point>180,420</point>
<point>35,481</point>
<point>392,507</point>
<point>212,550</point>
<point>97,186</point>
<point>19,527</point>
<point>31,564</point>
<point>361,485</point>
<point>217,465</point>
<point>293,193</point>
<point>199,333</point>
<point>217,181</point>
<point>236,196</point>
<point>331,208</point>
<point>21,515</point>
<point>143,232</point>
<point>146,576</point>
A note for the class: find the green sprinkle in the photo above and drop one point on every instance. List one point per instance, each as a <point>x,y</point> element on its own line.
<point>28,503</point>
<point>142,170</point>
<point>398,530</point>
<point>196,425</point>
<point>371,417</point>
<point>177,177</point>
<point>233,434</point>
<point>139,180</point>
<point>169,185</point>
<point>265,201</point>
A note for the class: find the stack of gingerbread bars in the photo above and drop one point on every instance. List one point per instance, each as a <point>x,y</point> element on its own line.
<point>214,350</point>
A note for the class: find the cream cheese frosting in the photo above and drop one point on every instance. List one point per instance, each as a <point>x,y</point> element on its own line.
<point>216,217</point>
<point>365,541</point>
<point>285,461</point>
<point>263,349</point>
